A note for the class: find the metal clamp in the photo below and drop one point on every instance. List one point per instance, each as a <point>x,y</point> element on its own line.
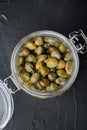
<point>79,40</point>
<point>12,91</point>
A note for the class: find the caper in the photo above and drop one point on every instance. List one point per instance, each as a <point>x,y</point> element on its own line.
<point>39,50</point>
<point>39,65</point>
<point>52,41</point>
<point>39,86</point>
<point>30,45</point>
<point>60,80</point>
<point>28,83</point>
<point>44,71</point>
<point>67,50</point>
<point>56,44</point>
<point>20,61</point>
<point>46,45</point>
<point>20,68</point>
<point>56,54</point>
<point>52,62</point>
<point>35,77</point>
<point>62,73</point>
<point>31,58</point>
<point>24,52</point>
<point>53,86</point>
<point>25,76</point>
<point>69,67</point>
<point>29,67</point>
<point>68,56</point>
<point>61,64</point>
<point>62,48</point>
<point>52,76</point>
<point>39,41</point>
<point>44,82</point>
<point>51,49</point>
<point>42,58</point>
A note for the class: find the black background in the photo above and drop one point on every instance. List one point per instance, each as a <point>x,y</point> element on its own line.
<point>69,111</point>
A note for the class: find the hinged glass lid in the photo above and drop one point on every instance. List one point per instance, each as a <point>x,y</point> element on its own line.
<point>6,105</point>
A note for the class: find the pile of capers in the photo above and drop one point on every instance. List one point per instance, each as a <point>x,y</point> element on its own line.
<point>44,63</point>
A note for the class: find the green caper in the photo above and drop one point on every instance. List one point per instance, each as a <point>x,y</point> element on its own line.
<point>61,64</point>
<point>52,76</point>
<point>46,45</point>
<point>24,52</point>
<point>39,41</point>
<point>60,80</point>
<point>62,73</point>
<point>39,65</point>
<point>39,86</point>
<point>29,67</point>
<point>30,45</point>
<point>25,76</point>
<point>62,48</point>
<point>35,77</point>
<point>51,49</point>
<point>69,67</point>
<point>31,58</point>
<point>52,41</point>
<point>56,44</point>
<point>68,56</point>
<point>28,83</point>
<point>52,62</point>
<point>20,61</point>
<point>42,58</point>
<point>44,82</point>
<point>39,50</point>
<point>53,86</point>
<point>56,54</point>
<point>44,71</point>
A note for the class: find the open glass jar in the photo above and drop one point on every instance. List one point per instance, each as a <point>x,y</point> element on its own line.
<point>6,99</point>
<point>20,84</point>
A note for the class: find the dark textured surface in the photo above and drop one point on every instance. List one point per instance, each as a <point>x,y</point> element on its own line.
<point>69,111</point>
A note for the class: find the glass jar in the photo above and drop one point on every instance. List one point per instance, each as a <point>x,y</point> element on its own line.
<point>20,84</point>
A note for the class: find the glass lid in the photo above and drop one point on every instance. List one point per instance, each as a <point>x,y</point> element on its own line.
<point>6,105</point>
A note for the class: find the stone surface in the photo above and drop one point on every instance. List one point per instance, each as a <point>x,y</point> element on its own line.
<point>69,111</point>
